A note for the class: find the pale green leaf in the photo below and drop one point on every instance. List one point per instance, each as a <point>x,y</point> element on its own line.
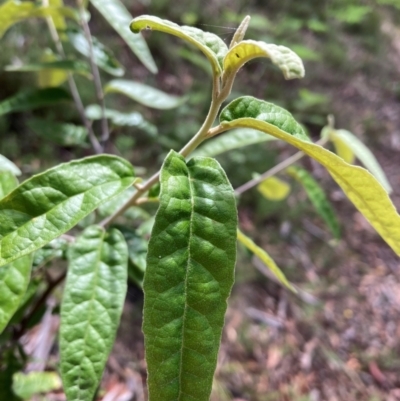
<point>53,77</point>
<point>91,308</point>
<point>144,94</point>
<point>317,197</point>
<point>8,165</point>
<point>367,194</point>
<point>49,204</point>
<point>32,99</point>
<point>189,275</point>
<point>54,249</point>
<point>27,385</point>
<point>274,189</point>
<point>119,18</point>
<point>285,59</point>
<point>103,56</point>
<point>58,20</point>
<point>213,47</point>
<point>61,133</point>
<point>8,182</point>
<point>267,260</point>
<point>234,139</point>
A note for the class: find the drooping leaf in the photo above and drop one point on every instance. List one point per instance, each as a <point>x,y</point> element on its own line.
<point>13,11</point>
<point>268,261</point>
<point>189,275</point>
<point>285,59</point>
<point>119,18</point>
<point>133,119</point>
<point>234,139</point>
<point>317,197</point>
<point>103,56</point>
<point>144,94</point>
<point>61,133</point>
<point>346,138</point>
<point>27,385</point>
<point>94,295</point>
<point>49,204</point>
<point>367,194</point>
<point>32,99</point>
<point>211,45</point>
<point>8,182</point>
<point>8,165</point>
<point>274,189</point>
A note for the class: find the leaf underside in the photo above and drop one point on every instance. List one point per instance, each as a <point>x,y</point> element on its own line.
<point>189,275</point>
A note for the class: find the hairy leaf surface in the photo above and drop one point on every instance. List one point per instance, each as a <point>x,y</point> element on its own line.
<point>285,59</point>
<point>317,197</point>
<point>51,203</point>
<point>213,47</point>
<point>189,275</point>
<point>94,295</point>
<point>116,14</point>
<point>360,186</point>
<point>144,94</point>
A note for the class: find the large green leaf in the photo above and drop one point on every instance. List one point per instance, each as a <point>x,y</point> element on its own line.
<point>32,99</point>
<point>232,140</point>
<point>61,133</point>
<point>49,204</point>
<point>103,56</point>
<point>119,18</point>
<point>360,186</point>
<point>317,197</point>
<point>211,45</point>
<point>91,308</point>
<point>144,94</point>
<point>8,165</point>
<point>189,275</point>
<point>13,11</point>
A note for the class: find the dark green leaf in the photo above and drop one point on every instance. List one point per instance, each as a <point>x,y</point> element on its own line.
<point>91,308</point>
<point>32,99</point>
<point>49,204</point>
<point>189,275</point>
<point>9,364</point>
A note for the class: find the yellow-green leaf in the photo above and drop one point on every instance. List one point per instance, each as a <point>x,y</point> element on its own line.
<point>274,189</point>
<point>361,187</point>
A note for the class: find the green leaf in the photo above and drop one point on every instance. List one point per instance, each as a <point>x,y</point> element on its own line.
<point>213,47</point>
<point>268,261</point>
<point>285,59</point>
<point>119,18</point>
<point>189,275</point>
<point>103,56</point>
<point>14,280</point>
<point>61,133</point>
<point>54,249</point>
<point>144,94</point>
<point>91,308</point>
<point>133,119</point>
<point>7,183</point>
<point>14,11</point>
<point>274,189</point>
<point>27,385</point>
<point>231,140</point>
<point>361,152</point>
<point>49,204</point>
<point>8,165</point>
<point>53,77</point>
<point>367,194</point>
<point>32,99</point>
<point>317,197</point>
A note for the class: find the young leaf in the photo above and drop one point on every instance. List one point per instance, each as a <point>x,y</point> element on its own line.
<point>32,99</point>
<point>7,183</point>
<point>285,59</point>
<point>49,204</point>
<point>27,385</point>
<point>61,133</point>
<point>144,94</point>
<point>189,275</point>
<point>367,194</point>
<point>317,197</point>
<point>8,165</point>
<point>234,139</point>
<point>91,308</point>
<point>103,56</point>
<point>240,32</point>
<point>268,261</point>
<point>211,45</point>
<point>274,189</point>
<point>119,18</point>
<point>362,153</point>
